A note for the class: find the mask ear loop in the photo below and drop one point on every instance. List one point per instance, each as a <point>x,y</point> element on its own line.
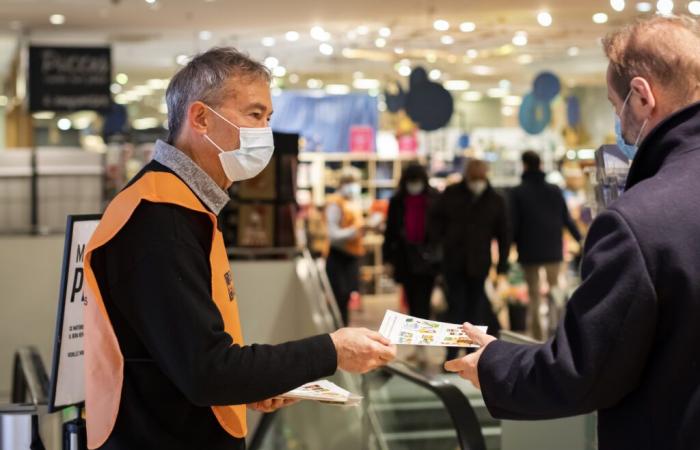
<point>221,117</point>
<point>213,143</point>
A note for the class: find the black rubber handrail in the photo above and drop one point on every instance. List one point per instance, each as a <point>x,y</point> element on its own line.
<point>30,383</point>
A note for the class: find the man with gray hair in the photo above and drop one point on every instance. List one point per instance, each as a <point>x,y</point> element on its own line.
<point>166,366</point>
<point>628,345</point>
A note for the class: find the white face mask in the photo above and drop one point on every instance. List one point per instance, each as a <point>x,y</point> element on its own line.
<point>477,187</point>
<point>254,154</point>
<point>351,190</point>
<point>415,187</point>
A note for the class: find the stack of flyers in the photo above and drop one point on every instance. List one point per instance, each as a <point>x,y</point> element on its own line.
<point>325,392</point>
<point>408,330</point>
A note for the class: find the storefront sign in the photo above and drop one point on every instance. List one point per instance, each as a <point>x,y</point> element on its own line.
<point>67,369</point>
<point>69,78</point>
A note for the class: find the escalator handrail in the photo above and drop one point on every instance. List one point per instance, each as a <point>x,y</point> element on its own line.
<point>29,377</point>
<point>464,419</point>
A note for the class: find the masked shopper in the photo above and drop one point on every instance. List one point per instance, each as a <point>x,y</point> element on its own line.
<point>627,345</point>
<point>467,217</point>
<point>345,230</point>
<point>166,366</point>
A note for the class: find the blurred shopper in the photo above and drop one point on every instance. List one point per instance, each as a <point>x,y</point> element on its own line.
<point>345,231</point>
<point>407,249</point>
<point>166,367</point>
<point>538,216</point>
<point>628,343</point>
<point>467,217</point>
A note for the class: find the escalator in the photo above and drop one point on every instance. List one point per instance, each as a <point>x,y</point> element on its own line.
<point>402,408</point>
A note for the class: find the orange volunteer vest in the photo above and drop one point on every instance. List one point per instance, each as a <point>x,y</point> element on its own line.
<point>104,362</point>
<point>351,217</point>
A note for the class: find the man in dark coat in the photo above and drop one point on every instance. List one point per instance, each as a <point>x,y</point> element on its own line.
<point>467,217</point>
<point>629,343</point>
<point>538,216</point>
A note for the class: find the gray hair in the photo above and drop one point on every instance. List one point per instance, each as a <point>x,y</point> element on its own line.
<point>204,79</point>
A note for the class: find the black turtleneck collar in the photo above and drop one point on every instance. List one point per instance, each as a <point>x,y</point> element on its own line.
<point>675,134</point>
<point>534,176</point>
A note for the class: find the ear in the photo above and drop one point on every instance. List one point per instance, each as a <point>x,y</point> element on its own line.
<point>197,117</point>
<point>644,93</point>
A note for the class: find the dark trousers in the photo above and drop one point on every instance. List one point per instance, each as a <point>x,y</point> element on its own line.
<point>343,272</point>
<point>467,302</point>
<point>418,290</point>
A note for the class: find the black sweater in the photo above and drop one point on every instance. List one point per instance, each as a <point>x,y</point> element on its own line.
<point>155,280</point>
<point>629,343</point>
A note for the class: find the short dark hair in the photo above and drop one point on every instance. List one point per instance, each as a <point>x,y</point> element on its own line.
<point>413,172</point>
<point>531,160</point>
<point>203,79</point>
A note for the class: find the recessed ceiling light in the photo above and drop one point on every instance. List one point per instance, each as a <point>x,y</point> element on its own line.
<point>507,111</point>
<point>600,18</point>
<point>292,36</point>
<point>366,83</point>
<point>482,70</point>
<point>380,42</point>
<point>447,40</point>
<point>644,7</point>
<point>319,33</point>
<point>467,27</point>
<point>362,30</point>
<point>57,19</point>
<point>205,35</point>
<point>496,92</point>
<point>399,50</point>
<point>694,8</point>
<point>573,51</point>
<point>435,74</point>
<point>182,59</point>
<point>151,2</point>
<point>544,18</point>
<point>64,124</point>
<point>268,41</point>
<point>617,5</point>
<point>122,78</point>
<point>271,62</point>
<point>313,83</point>
<point>441,25</point>
<point>404,71</point>
<point>431,57</point>
<point>472,53</point>
<point>665,7</point>
<point>337,89</point>
<point>279,71</point>
<point>115,88</point>
<point>456,85</point>
<point>525,59</point>
<point>472,96</point>
<point>512,100</point>
<point>293,78</point>
<point>520,39</point>
<point>385,32</point>
<point>326,49</point>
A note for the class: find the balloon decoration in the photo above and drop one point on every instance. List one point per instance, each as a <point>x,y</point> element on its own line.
<point>536,111</point>
<point>573,111</point>
<point>535,114</point>
<point>395,97</point>
<point>428,104</point>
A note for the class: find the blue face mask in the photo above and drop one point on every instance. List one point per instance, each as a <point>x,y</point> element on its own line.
<point>630,150</point>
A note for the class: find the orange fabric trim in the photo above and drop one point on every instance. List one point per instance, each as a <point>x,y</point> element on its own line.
<point>351,217</point>
<point>104,362</point>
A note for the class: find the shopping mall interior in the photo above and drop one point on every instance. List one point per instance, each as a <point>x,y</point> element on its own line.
<point>361,91</point>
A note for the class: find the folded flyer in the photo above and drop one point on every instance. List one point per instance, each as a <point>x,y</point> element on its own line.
<point>407,330</point>
<point>323,391</point>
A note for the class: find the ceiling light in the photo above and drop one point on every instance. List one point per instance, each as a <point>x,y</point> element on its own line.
<point>121,99</point>
<point>338,89</point>
<point>44,115</point>
<point>507,111</point>
<point>385,32</point>
<point>115,88</point>
<point>456,85</point>
<point>157,83</point>
<point>447,40</point>
<point>525,59</point>
<point>205,35</point>
<point>504,84</point>
<point>326,49</point>
<point>57,19</point>
<point>573,51</point>
<point>293,78</point>
<point>121,78</point>
<point>512,100</point>
<point>404,71</point>
<point>64,124</point>
<point>352,35</point>
<point>271,62</point>
<point>544,18</point>
<point>151,2</point>
<point>82,122</point>
<point>467,27</point>
<point>431,57</point>
<point>600,18</point>
<point>520,39</point>
<point>643,7</point>
<point>694,8</point>
<point>482,70</point>
<point>145,123</point>
<point>362,30</point>
<point>665,7</point>
<point>441,25</point>
<point>496,92</point>
<point>182,59</point>
<point>399,50</point>
<point>319,34</point>
<point>472,96</point>
<point>291,36</point>
<point>268,41</point>
<point>472,53</point>
<point>313,83</point>
<point>380,42</point>
<point>366,83</point>
<point>617,5</point>
<point>279,71</point>
<point>435,74</point>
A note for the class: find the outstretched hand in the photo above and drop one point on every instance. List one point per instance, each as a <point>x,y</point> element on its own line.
<point>467,366</point>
